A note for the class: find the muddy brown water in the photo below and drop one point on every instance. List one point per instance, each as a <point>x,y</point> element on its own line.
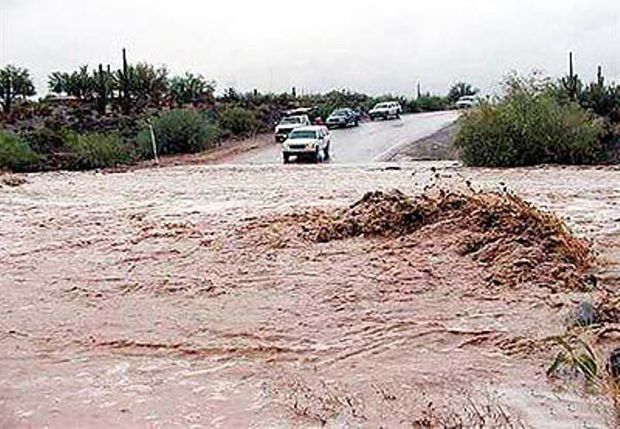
<point>142,299</point>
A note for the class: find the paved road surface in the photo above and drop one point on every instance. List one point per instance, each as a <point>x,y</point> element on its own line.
<point>369,142</point>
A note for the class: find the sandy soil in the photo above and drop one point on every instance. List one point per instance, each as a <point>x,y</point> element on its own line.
<point>438,146</point>
<point>167,297</point>
<point>226,151</point>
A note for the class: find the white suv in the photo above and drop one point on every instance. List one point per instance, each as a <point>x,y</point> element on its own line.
<point>307,142</point>
<point>288,124</point>
<point>391,109</point>
<point>466,102</point>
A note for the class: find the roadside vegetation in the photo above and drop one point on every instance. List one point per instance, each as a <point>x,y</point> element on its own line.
<point>97,117</point>
<point>541,121</point>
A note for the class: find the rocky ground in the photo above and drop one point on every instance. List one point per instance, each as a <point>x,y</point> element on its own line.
<point>231,296</point>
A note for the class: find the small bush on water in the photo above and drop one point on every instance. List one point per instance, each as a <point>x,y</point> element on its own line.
<point>16,154</point>
<point>179,131</point>
<point>527,127</point>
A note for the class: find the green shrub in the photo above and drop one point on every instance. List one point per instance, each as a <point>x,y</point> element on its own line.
<point>179,131</point>
<point>15,154</point>
<point>49,144</point>
<point>239,121</point>
<point>428,103</point>
<point>98,150</point>
<point>528,127</point>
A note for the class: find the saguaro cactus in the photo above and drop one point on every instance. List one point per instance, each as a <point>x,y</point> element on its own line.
<point>102,85</point>
<point>124,84</point>
<point>600,79</point>
<point>571,82</point>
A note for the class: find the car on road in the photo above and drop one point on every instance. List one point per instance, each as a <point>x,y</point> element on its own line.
<point>343,118</point>
<point>288,124</point>
<point>466,102</point>
<point>312,143</point>
<point>387,110</point>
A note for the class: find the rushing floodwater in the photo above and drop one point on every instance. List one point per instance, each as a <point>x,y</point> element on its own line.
<point>139,299</point>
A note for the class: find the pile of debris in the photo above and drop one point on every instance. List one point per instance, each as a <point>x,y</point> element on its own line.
<point>516,242</point>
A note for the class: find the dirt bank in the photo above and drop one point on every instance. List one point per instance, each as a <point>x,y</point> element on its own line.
<point>204,296</point>
<point>224,152</point>
<point>439,146</point>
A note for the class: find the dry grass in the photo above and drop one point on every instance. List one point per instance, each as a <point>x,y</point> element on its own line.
<point>578,361</point>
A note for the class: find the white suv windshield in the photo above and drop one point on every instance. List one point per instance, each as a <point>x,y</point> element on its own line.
<point>382,106</point>
<point>291,120</point>
<point>302,134</point>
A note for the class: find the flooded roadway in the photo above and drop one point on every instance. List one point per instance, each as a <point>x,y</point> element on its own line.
<point>371,141</point>
<point>145,299</point>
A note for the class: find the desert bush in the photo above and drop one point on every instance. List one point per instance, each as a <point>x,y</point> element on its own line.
<point>238,121</point>
<point>97,150</point>
<point>527,127</point>
<point>15,154</point>
<point>179,131</point>
<point>49,143</point>
<point>428,103</point>
<point>46,140</point>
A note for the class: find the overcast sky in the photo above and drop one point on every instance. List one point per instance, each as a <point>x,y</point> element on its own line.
<point>316,45</point>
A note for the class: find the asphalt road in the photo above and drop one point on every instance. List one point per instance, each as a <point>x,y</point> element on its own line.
<point>370,142</point>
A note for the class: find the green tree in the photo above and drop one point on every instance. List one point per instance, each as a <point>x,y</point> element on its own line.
<point>15,84</point>
<point>78,84</point>
<point>460,89</point>
<point>191,88</point>
<point>149,85</point>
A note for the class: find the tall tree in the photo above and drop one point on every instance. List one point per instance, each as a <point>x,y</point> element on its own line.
<point>15,84</point>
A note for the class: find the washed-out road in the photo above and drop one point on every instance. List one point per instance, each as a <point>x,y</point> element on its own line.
<point>370,142</point>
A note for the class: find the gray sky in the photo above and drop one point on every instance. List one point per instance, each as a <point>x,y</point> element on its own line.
<point>317,45</point>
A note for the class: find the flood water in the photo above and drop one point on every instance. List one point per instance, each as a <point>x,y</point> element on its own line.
<point>149,298</point>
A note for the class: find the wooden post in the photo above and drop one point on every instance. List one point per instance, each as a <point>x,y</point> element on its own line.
<point>153,142</point>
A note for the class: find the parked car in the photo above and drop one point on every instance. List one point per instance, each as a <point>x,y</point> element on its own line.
<point>466,102</point>
<point>311,143</point>
<point>343,118</point>
<point>288,124</point>
<point>390,109</point>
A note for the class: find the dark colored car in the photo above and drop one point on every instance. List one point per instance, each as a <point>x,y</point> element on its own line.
<point>343,118</point>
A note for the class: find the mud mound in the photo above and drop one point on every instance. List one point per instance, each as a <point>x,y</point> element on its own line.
<point>517,242</point>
